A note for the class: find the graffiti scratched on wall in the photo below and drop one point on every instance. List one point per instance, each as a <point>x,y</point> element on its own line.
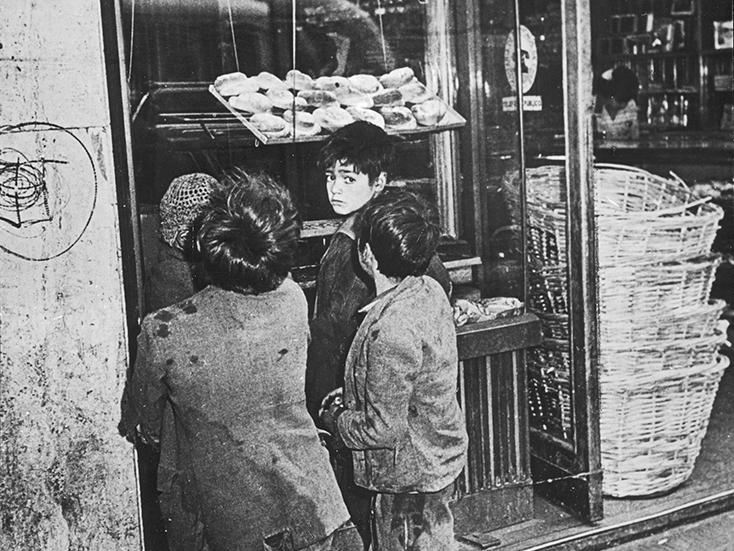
<point>48,190</point>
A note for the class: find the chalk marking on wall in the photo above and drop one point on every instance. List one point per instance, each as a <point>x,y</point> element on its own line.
<point>48,190</point>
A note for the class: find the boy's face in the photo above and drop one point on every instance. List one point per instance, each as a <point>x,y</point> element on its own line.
<point>349,190</point>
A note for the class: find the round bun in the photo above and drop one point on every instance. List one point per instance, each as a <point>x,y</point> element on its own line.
<point>415,92</point>
<point>284,99</point>
<point>332,118</point>
<point>398,118</point>
<point>251,102</point>
<point>270,125</point>
<point>365,83</point>
<point>367,115</point>
<point>266,81</point>
<point>319,98</point>
<point>430,112</point>
<point>349,97</point>
<point>389,97</point>
<point>331,83</point>
<point>302,123</point>
<point>397,77</point>
<point>298,80</point>
<point>233,84</point>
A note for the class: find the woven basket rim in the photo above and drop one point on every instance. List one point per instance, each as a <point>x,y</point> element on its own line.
<point>640,382</point>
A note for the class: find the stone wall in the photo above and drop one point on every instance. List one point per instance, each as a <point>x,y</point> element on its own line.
<point>67,478</point>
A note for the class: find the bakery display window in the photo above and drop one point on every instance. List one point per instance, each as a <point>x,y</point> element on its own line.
<point>260,84</point>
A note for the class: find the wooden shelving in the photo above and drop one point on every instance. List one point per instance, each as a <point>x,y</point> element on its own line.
<point>669,45</point>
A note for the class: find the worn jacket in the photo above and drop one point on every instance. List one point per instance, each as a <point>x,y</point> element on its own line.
<point>249,460</point>
<point>342,288</point>
<point>403,420</point>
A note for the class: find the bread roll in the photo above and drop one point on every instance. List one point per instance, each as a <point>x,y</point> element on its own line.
<point>270,125</point>
<point>389,97</point>
<point>332,118</point>
<point>233,84</point>
<point>398,118</point>
<point>298,80</point>
<point>251,102</point>
<point>367,115</point>
<point>284,99</point>
<point>319,98</point>
<point>415,92</point>
<point>302,123</point>
<point>365,83</point>
<point>397,77</point>
<point>331,83</point>
<point>349,97</point>
<point>266,81</point>
<point>430,112</point>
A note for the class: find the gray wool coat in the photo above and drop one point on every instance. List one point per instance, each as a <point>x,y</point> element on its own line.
<point>249,461</point>
<point>403,421</point>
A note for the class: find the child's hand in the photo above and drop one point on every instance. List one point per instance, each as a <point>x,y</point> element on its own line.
<point>336,396</point>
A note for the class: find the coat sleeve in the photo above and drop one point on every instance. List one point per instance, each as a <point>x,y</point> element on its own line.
<point>394,356</point>
<point>148,391</point>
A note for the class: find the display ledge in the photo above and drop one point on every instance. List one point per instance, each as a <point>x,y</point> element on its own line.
<point>450,120</point>
<point>484,338</point>
<point>719,141</point>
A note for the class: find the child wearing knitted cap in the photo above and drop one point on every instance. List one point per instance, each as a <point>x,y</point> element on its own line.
<point>173,276</point>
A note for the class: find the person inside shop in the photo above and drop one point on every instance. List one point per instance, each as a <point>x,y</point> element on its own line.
<point>251,472</point>
<point>356,160</point>
<point>173,275</point>
<point>615,111</point>
<point>398,412</point>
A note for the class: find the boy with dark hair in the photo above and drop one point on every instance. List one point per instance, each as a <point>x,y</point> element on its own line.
<point>356,161</point>
<point>248,468</point>
<point>399,414</point>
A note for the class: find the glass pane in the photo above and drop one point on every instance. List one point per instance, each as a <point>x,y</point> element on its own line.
<point>550,379</point>
<point>179,48</point>
<point>176,49</point>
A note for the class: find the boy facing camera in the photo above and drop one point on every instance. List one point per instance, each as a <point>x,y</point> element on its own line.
<point>398,411</point>
<point>356,161</point>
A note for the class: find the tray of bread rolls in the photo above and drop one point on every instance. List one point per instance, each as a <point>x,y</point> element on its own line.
<point>299,108</point>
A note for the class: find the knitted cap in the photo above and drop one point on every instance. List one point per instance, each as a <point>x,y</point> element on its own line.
<point>182,203</point>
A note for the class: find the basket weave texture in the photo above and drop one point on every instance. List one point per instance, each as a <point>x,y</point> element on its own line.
<point>641,217</point>
<point>659,363</point>
<point>652,428</point>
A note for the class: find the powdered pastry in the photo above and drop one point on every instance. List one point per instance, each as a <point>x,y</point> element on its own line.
<point>415,92</point>
<point>319,98</point>
<point>397,77</point>
<point>332,118</point>
<point>365,83</point>
<point>270,125</point>
<point>298,80</point>
<point>389,97</point>
<point>430,112</point>
<point>251,102</point>
<point>367,115</point>
<point>233,84</point>
<point>398,118</point>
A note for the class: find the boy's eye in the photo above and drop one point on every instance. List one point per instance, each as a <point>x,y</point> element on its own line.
<point>350,180</point>
<point>330,177</point>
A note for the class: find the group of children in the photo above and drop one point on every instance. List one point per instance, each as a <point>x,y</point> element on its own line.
<point>219,379</point>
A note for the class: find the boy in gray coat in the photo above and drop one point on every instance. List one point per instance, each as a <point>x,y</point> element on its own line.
<point>398,411</point>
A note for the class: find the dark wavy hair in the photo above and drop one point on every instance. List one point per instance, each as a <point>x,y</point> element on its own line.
<point>399,229</point>
<point>365,146</point>
<point>247,237</point>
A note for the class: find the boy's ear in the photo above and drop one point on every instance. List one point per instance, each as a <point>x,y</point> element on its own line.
<point>380,182</point>
<point>367,259</point>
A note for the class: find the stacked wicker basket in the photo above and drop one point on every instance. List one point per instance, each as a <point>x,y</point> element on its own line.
<point>659,361</point>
